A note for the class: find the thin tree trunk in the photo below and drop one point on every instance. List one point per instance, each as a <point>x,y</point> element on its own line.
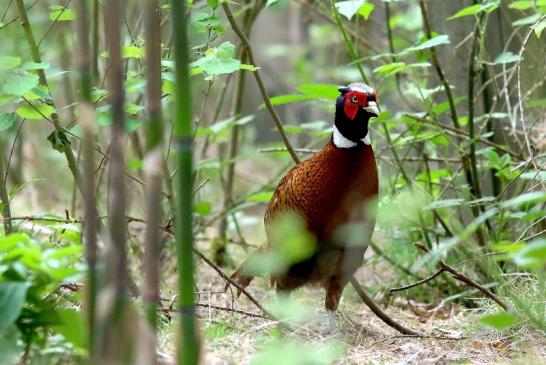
<point>153,168</point>
<point>187,348</point>
<point>117,341</point>
<point>87,122</point>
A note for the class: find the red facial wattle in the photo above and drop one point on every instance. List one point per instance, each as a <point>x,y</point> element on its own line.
<point>353,101</point>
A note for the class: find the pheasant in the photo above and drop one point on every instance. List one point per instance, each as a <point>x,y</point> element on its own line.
<point>334,188</point>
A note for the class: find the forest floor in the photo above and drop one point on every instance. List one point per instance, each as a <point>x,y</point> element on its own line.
<point>241,338</point>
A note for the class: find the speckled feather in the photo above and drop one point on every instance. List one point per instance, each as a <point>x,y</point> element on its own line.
<point>328,190</point>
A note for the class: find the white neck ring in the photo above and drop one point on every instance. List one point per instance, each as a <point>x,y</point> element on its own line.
<point>341,142</point>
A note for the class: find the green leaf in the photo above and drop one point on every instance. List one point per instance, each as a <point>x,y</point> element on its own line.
<point>35,66</point>
<point>470,10</point>
<point>521,5</point>
<point>271,3</point>
<point>366,10</point>
<point>539,27</point>
<point>61,13</point>
<point>532,255</point>
<point>20,84</point>
<point>263,197</point>
<point>132,125</point>
<point>349,8</point>
<point>505,57</point>
<point>445,203</point>
<point>135,164</point>
<point>499,321</point>
<point>532,197</point>
<point>203,208</point>
<point>245,66</point>
<point>6,121</point>
<point>9,62</point>
<point>287,99</point>
<point>213,3</point>
<point>225,50</point>
<point>10,344</point>
<point>532,19</point>
<point>217,66</point>
<point>35,111</point>
<point>326,91</point>
<point>133,51</point>
<point>58,140</point>
<point>429,43</point>
<point>72,327</point>
<point>12,298</point>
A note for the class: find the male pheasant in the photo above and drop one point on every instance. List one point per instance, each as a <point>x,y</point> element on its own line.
<point>334,188</point>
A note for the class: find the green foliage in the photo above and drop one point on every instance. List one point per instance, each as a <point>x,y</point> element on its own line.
<point>61,13</point>
<point>499,321</point>
<point>30,274</point>
<point>350,8</point>
<point>298,353</point>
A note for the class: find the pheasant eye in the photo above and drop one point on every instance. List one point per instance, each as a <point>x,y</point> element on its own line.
<point>354,99</point>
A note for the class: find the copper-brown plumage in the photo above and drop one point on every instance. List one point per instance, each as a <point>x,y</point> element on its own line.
<point>335,187</point>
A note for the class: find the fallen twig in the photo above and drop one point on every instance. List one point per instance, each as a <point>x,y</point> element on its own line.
<point>422,281</point>
<point>376,309</point>
<point>465,279</point>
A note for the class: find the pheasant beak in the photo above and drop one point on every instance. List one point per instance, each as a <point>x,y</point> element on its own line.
<point>372,108</point>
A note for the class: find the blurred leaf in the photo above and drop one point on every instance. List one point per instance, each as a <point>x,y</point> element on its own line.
<point>263,197</point>
<point>135,165</point>
<point>349,8</point>
<point>61,13</point>
<point>390,69</point>
<point>440,108</point>
<point>35,65</point>
<point>72,327</point>
<point>133,51</point>
<point>7,120</point>
<point>292,129</point>
<point>213,3</point>
<point>429,43</point>
<point>217,330</point>
<point>445,203</point>
<point>326,91</point>
<point>532,255</point>
<point>12,298</point>
<point>366,10</point>
<point>264,263</point>
<point>539,27</point>
<point>132,125</point>
<point>289,236</point>
<point>287,99</point>
<point>248,67</point>
<point>226,50</point>
<point>297,353</point>
<point>469,10</point>
<point>35,111</point>
<point>11,345</point>
<point>217,66</point>
<point>271,3</point>
<point>532,175</point>
<point>203,208</point>
<point>58,139</point>
<point>286,309</point>
<point>499,321</point>
<point>505,57</point>
<point>532,19</point>
<point>487,6</point>
<point>20,83</point>
<point>521,5</point>
<point>9,62</point>
<point>532,197</point>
